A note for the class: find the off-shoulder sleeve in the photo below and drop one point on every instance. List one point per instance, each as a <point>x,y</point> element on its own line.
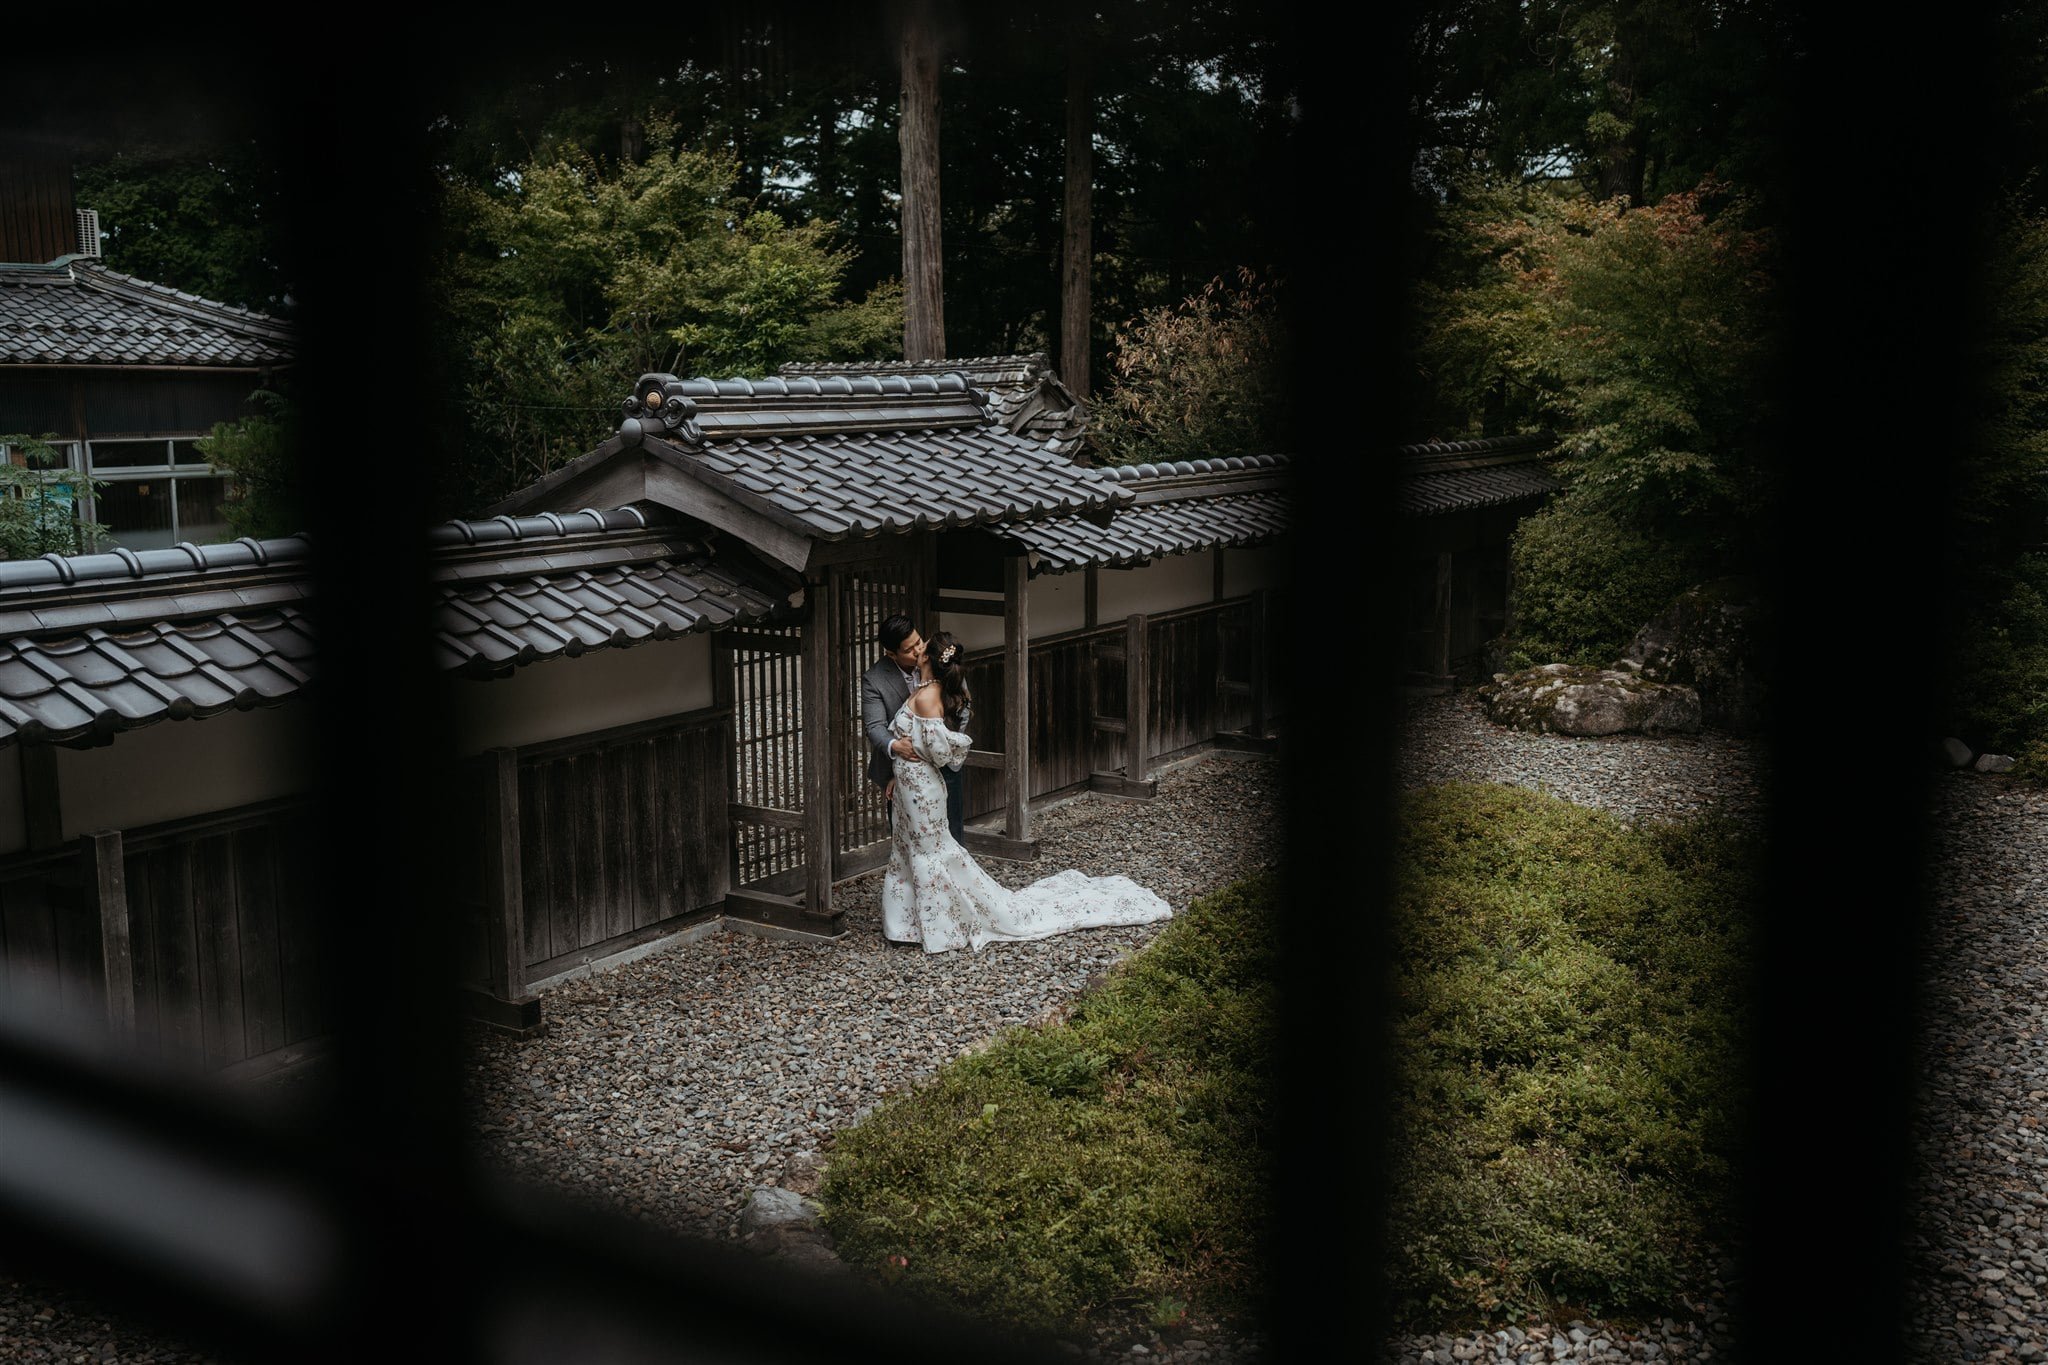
<point>936,744</point>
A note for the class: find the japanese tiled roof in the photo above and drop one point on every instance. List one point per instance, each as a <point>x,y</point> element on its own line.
<point>842,457</point>
<point>1024,394</point>
<point>1454,476</point>
<point>75,311</point>
<point>1234,502</point>
<point>94,644</point>
<point>516,590</point>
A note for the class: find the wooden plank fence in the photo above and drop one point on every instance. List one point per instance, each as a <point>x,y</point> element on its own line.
<point>193,938</point>
<point>587,845</point>
<point>1201,673</point>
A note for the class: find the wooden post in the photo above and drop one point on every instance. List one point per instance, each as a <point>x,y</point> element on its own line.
<point>1017,704</point>
<point>41,805</point>
<point>821,827</point>
<point>1256,645</point>
<point>1137,698</point>
<point>103,875</point>
<point>1443,614</point>
<point>723,694</point>
<point>1077,256</point>
<point>504,894</point>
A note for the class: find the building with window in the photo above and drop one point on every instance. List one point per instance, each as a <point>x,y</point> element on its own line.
<point>121,375</point>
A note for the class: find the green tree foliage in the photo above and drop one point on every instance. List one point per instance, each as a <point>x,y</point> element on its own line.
<point>570,280</point>
<point>265,496</point>
<point>1637,98</point>
<point>208,221</point>
<point>1641,336</point>
<point>39,502</point>
<point>1204,378</point>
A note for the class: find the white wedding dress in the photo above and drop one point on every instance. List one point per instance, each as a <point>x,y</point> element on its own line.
<point>934,892</point>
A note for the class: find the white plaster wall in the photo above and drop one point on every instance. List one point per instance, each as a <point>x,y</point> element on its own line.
<point>1244,570</point>
<point>595,691</point>
<point>978,632</point>
<point>13,820</point>
<point>1167,582</point>
<point>1059,601</point>
<point>176,768</point>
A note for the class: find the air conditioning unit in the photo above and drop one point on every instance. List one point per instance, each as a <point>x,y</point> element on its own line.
<point>88,232</point>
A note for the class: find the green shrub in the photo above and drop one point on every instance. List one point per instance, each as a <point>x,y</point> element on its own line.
<point>1568,1014</point>
<point>1114,1160</point>
<point>1584,584</point>
<point>2001,697</point>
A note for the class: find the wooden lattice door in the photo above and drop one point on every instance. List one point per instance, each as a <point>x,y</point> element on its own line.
<point>864,596</point>
<point>768,757</point>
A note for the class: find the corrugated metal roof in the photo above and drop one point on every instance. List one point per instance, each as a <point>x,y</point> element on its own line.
<point>836,457</point>
<point>77,312</point>
<point>1179,508</point>
<point>92,645</point>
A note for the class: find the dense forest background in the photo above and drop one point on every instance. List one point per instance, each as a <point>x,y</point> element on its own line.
<point>1589,243</point>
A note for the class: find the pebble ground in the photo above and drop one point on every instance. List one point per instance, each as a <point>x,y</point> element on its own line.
<point>619,1100</point>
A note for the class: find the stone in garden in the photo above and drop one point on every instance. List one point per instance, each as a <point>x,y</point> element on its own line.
<point>1569,700</point>
<point>1955,752</point>
<point>1708,639</point>
<point>1993,763</point>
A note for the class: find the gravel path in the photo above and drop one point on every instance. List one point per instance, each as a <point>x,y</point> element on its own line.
<point>1980,1261</point>
<point>670,1087</point>
<point>621,1102</point>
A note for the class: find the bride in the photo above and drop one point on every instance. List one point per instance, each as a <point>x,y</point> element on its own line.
<point>934,892</point>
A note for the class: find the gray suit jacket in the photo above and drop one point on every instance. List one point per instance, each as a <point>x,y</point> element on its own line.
<point>882,691</point>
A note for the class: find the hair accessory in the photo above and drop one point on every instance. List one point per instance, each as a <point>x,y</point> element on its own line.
<point>946,655</point>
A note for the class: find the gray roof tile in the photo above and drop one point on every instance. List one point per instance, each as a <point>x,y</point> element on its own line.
<point>135,657</point>
<point>1444,477</point>
<point>866,462</point>
<point>81,313</point>
<point>1178,512</point>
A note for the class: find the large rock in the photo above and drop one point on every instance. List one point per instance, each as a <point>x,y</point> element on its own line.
<point>1709,639</point>
<point>785,1225</point>
<point>1569,700</point>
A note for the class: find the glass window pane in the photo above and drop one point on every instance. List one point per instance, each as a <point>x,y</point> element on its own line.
<point>202,511</point>
<point>137,513</point>
<point>129,454</point>
<point>186,452</point>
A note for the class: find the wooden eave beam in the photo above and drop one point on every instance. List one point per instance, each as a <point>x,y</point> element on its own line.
<point>670,482</point>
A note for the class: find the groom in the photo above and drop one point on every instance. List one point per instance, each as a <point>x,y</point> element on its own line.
<point>883,689</point>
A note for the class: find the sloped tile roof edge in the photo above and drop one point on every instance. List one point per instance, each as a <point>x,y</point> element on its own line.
<point>162,584</point>
<point>91,273</point>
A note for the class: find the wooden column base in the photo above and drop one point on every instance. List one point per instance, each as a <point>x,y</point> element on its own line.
<point>782,912</point>
<point>1116,784</point>
<point>520,1017</point>
<point>992,845</point>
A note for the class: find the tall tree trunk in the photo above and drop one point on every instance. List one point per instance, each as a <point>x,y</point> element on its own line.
<point>1077,252</point>
<point>1623,161</point>
<point>917,136</point>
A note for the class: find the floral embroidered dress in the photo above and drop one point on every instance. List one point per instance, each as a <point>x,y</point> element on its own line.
<point>934,892</point>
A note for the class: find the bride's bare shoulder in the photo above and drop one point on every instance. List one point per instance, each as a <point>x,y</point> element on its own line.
<point>925,702</point>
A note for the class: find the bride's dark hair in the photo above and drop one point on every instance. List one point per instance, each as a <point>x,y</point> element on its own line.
<point>949,666</point>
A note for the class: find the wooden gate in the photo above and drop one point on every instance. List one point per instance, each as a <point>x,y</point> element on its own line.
<point>865,595</point>
<point>767,756</point>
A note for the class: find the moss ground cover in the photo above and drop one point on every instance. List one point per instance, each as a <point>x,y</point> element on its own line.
<point>1115,1161</point>
<point>1568,1036</point>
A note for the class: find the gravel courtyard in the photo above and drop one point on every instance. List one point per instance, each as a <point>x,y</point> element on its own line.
<point>669,1087</point>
